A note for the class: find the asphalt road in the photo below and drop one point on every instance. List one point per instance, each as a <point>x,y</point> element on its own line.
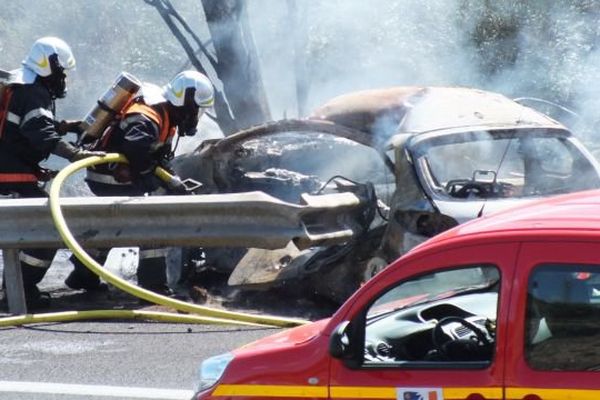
<point>110,360</point>
<point>121,360</point>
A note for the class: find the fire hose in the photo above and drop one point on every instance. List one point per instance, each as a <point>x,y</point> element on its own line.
<point>194,313</point>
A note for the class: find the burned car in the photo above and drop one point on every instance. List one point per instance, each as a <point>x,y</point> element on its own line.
<point>424,158</point>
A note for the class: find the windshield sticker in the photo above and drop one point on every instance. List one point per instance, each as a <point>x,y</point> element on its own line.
<point>419,394</point>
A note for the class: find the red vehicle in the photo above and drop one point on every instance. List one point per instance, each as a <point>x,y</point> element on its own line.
<point>503,307</point>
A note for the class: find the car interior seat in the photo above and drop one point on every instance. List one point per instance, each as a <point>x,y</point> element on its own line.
<point>562,300</point>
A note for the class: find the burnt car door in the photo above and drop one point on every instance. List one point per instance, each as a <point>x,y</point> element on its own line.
<point>289,159</point>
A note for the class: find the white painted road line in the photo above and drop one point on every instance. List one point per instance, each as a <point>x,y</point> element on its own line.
<point>94,390</point>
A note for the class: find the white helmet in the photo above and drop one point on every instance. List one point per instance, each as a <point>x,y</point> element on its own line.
<point>40,59</point>
<point>176,91</point>
<point>49,58</point>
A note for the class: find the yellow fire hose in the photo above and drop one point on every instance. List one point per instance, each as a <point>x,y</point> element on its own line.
<point>66,316</point>
<point>202,314</point>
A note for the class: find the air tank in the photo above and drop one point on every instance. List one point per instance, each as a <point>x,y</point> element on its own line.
<point>112,102</point>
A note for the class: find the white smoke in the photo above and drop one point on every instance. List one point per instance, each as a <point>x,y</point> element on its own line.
<point>529,49</point>
<point>538,49</point>
<point>354,45</point>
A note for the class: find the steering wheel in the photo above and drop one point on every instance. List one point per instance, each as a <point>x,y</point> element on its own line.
<point>438,332</point>
<point>467,187</point>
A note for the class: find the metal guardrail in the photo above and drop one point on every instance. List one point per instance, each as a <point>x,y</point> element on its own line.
<point>252,219</point>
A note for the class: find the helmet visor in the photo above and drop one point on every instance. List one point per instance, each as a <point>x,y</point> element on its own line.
<point>56,82</point>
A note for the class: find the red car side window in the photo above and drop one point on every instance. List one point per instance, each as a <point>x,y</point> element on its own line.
<point>563,318</point>
<point>448,316</point>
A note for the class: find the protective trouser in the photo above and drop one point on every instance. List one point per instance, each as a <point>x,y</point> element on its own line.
<point>82,277</point>
<point>152,265</point>
<point>34,265</point>
<point>151,272</point>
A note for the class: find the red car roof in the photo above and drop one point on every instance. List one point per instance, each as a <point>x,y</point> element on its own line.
<point>575,214</point>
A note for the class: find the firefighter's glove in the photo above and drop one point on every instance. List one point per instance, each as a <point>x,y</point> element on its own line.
<point>72,153</point>
<point>81,154</point>
<point>45,175</point>
<point>147,182</point>
<point>64,126</point>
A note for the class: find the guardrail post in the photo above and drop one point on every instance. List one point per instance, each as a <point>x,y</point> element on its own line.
<point>13,280</point>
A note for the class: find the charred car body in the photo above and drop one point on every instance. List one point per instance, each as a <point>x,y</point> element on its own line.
<point>424,158</point>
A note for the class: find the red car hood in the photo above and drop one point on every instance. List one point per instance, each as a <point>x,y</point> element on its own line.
<point>287,338</point>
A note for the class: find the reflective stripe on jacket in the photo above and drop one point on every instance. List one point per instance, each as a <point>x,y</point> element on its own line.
<point>7,177</point>
<point>28,134</point>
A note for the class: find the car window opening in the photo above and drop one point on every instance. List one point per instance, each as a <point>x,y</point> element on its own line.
<point>563,318</point>
<point>482,166</point>
<point>445,319</point>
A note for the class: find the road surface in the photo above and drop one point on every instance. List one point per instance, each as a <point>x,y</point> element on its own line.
<point>109,360</point>
<point>121,360</point>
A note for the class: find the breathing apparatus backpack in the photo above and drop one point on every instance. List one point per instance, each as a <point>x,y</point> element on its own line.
<point>109,106</point>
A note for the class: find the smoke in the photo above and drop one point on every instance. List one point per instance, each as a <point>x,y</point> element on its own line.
<point>535,48</point>
<point>106,37</point>
<point>518,48</point>
<point>354,45</point>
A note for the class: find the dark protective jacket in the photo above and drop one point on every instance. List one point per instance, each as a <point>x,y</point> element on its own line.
<point>29,134</point>
<point>144,137</point>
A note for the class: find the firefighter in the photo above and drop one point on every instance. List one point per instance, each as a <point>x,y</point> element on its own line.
<point>29,133</point>
<point>143,134</point>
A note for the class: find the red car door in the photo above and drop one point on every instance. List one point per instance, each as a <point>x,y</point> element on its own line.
<point>415,328</point>
<point>554,338</point>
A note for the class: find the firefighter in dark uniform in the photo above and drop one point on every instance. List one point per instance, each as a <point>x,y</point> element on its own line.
<point>144,135</point>
<point>29,133</point>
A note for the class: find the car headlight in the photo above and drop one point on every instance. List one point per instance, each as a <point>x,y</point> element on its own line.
<point>212,369</point>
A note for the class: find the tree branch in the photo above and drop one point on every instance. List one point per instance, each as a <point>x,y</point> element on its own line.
<point>225,119</point>
<point>179,18</point>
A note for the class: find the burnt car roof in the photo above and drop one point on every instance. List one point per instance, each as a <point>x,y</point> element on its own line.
<point>425,109</point>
